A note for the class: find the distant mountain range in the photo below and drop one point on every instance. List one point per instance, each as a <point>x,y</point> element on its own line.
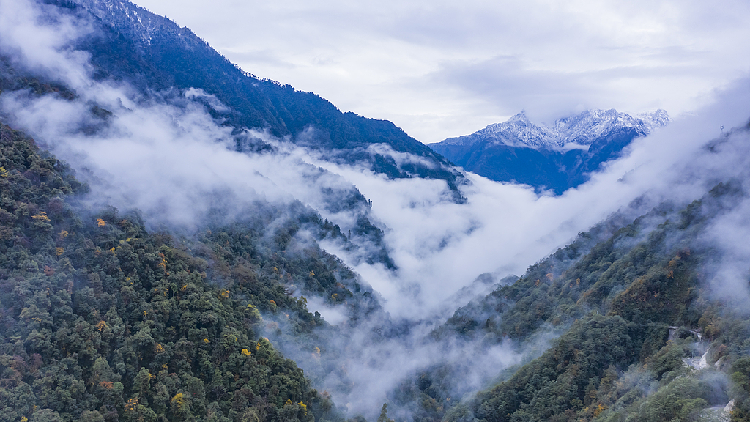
<point>555,157</point>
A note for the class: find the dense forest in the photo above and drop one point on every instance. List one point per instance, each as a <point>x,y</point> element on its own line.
<point>103,320</point>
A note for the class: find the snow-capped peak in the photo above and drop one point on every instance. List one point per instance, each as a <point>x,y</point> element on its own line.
<point>520,118</point>
<point>580,129</point>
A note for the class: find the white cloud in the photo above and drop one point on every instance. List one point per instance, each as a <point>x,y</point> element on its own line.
<point>440,246</point>
<point>40,47</point>
<point>211,100</point>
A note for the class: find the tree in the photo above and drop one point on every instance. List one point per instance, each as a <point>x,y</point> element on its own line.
<point>384,414</point>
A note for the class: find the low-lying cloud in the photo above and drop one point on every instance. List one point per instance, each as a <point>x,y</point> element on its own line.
<point>440,246</point>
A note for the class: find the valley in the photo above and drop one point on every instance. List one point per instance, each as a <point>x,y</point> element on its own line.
<point>181,240</point>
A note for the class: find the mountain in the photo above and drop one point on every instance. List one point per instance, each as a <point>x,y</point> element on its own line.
<point>103,320</point>
<point>250,313</point>
<point>555,157</point>
<point>153,52</point>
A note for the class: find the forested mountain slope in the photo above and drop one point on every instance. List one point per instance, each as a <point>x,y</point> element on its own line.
<point>639,317</point>
<point>643,336</point>
<point>155,53</point>
<point>115,58</point>
<point>103,320</point>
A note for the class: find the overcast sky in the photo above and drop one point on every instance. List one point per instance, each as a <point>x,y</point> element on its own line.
<point>444,68</point>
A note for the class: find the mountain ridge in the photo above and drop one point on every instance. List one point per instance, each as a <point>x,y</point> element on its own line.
<point>583,128</point>
<point>549,157</point>
<point>173,56</point>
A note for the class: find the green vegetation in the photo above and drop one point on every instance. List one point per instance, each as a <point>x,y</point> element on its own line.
<point>102,320</point>
<point>617,303</point>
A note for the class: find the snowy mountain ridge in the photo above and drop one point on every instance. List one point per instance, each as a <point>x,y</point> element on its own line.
<point>139,23</point>
<point>579,130</point>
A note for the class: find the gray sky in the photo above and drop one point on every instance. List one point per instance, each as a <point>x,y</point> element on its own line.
<point>439,69</point>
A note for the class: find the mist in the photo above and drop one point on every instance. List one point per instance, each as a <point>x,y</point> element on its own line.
<point>440,246</point>
<point>165,155</point>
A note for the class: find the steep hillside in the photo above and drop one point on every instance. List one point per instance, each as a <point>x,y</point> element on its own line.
<point>104,320</point>
<point>155,53</point>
